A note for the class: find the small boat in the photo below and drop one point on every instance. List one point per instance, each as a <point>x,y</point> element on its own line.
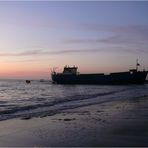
<point>71,76</point>
<point>42,80</point>
<point>28,81</point>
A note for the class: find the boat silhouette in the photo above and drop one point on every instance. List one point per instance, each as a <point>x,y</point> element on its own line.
<point>71,76</point>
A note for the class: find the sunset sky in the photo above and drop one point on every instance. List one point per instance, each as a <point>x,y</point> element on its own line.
<point>95,36</point>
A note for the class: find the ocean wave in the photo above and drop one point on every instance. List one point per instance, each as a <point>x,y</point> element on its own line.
<point>47,108</point>
<point>38,99</point>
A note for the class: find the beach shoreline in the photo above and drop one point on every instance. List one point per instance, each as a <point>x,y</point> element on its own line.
<point>116,123</point>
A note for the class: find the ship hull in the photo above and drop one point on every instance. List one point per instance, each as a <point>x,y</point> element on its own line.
<point>120,78</point>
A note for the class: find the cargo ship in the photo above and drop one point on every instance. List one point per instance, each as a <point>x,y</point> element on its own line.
<point>71,76</point>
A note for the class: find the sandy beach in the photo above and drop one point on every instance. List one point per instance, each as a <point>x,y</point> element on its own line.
<point>117,123</point>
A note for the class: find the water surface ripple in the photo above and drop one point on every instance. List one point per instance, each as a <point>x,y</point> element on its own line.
<point>38,99</point>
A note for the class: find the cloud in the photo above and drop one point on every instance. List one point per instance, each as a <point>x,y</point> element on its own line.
<point>25,53</point>
<point>128,34</point>
<point>138,29</point>
<point>129,38</point>
<point>70,51</point>
<point>132,37</point>
<point>79,41</point>
<point>117,34</point>
<point>43,52</point>
<point>75,51</point>
<point>30,52</point>
<point>26,60</point>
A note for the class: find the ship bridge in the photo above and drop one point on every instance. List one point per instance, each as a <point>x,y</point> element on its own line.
<point>70,70</point>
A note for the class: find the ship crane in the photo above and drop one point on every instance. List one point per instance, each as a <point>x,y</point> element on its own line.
<point>137,64</point>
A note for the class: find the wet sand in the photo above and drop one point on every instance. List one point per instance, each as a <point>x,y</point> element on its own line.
<point>117,123</point>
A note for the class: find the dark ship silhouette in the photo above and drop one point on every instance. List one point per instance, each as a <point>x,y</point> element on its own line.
<point>71,76</point>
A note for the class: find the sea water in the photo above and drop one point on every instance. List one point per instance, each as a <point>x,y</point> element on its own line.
<point>40,99</point>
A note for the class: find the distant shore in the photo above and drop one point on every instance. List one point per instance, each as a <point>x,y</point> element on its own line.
<point>117,123</point>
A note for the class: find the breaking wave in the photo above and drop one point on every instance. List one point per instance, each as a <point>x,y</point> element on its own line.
<point>45,99</point>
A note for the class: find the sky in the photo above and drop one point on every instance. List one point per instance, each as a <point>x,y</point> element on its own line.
<point>96,36</point>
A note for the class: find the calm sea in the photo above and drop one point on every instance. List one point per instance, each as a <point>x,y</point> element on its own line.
<point>39,99</point>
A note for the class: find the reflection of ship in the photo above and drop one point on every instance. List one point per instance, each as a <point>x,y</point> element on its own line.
<point>71,76</point>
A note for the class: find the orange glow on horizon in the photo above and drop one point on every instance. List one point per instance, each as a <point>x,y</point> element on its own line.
<point>22,71</point>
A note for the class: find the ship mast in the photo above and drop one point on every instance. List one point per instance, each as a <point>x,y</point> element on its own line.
<point>137,64</point>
